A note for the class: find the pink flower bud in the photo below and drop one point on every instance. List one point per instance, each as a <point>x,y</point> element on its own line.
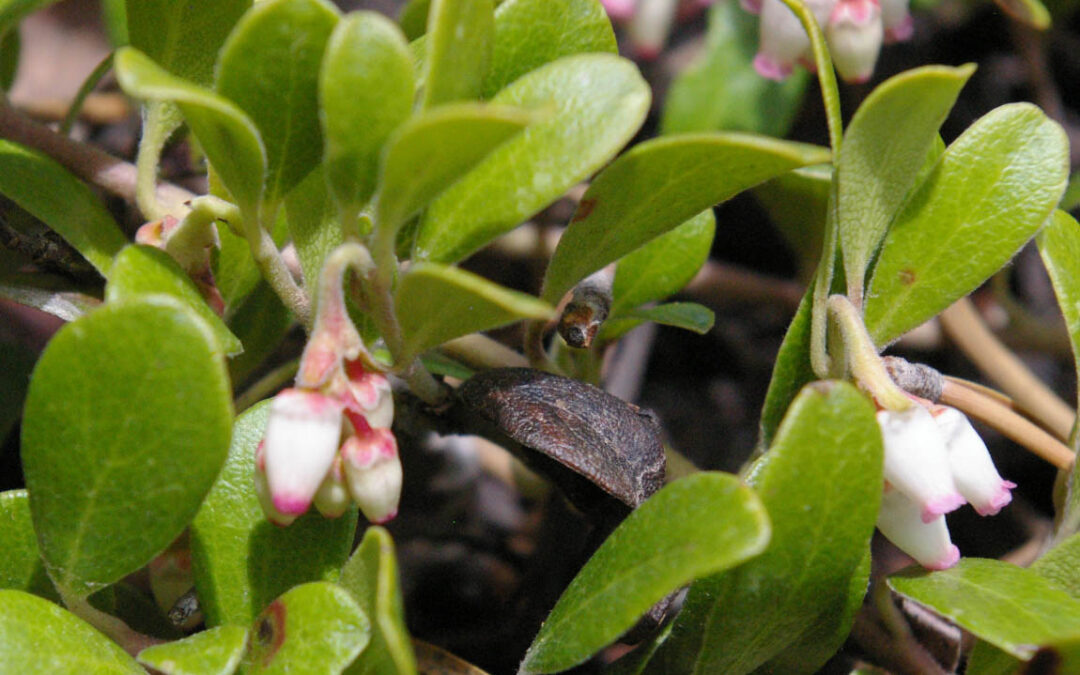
<point>782,41</point>
<point>333,499</point>
<point>649,27</point>
<point>373,473</point>
<point>900,520</point>
<point>855,34</point>
<point>302,436</point>
<point>896,19</point>
<point>369,396</point>
<point>916,461</point>
<point>619,10</point>
<point>972,468</point>
<point>262,491</point>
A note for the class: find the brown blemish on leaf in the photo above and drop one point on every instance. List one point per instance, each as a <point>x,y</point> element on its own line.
<point>270,631</point>
<point>584,209</point>
<point>907,276</point>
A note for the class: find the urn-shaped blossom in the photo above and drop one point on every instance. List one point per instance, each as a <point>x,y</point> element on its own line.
<point>855,33</point>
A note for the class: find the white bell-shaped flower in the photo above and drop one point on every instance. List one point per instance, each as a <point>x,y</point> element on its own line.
<point>900,520</point>
<point>373,473</point>
<point>783,42</point>
<point>972,468</point>
<point>917,462</point>
<point>855,33</point>
<point>302,436</point>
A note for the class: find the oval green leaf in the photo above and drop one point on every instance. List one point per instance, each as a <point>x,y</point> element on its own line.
<point>38,637</point>
<point>1031,12</point>
<point>459,40</point>
<point>242,562</point>
<point>371,577</point>
<point>686,315</point>
<point>593,104</point>
<point>216,651</point>
<point>227,135</point>
<point>797,204</point>
<point>269,67</point>
<point>1059,246</point>
<point>314,225</point>
<point>127,424</point>
<point>436,303</point>
<point>791,371</point>
<point>662,545</point>
<point>664,265</point>
<point>821,486</point>
<point>657,186</point>
<point>366,89</point>
<point>60,200</point>
<point>1012,608</point>
<point>530,33</point>
<point>315,627</point>
<point>884,146</point>
<point>21,567</point>
<point>436,148</point>
<point>142,270</point>
<point>988,194</point>
<point>183,36</point>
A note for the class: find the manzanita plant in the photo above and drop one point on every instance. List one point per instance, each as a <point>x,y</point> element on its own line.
<point>244,397</point>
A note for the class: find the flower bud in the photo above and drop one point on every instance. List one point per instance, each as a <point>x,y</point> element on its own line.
<point>855,34</point>
<point>783,41</point>
<point>916,461</point>
<point>896,20</point>
<point>262,491</point>
<point>369,396</point>
<point>333,499</point>
<point>972,468</point>
<point>649,27</point>
<point>302,436</point>
<point>900,520</point>
<point>373,473</point>
<point>619,10</point>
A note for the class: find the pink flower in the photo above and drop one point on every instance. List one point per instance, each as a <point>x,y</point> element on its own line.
<point>916,462</point>
<point>373,473</point>
<point>855,33</point>
<point>970,463</point>
<point>783,42</point>
<point>897,21</point>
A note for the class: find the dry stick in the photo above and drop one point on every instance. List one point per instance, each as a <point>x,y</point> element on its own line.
<point>967,330</point>
<point>999,416</point>
<point>85,161</point>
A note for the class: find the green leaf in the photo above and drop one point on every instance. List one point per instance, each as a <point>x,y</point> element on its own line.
<point>313,225</point>
<point>227,135</point>
<point>21,567</point>
<point>434,149</point>
<point>530,33</point>
<point>1012,608</point>
<point>1061,566</point>
<point>436,303</point>
<point>664,265</point>
<point>143,270</point>
<point>260,322</point>
<point>13,11</point>
<point>686,315</point>
<point>1059,245</point>
<point>371,577</point>
<point>366,89</point>
<point>269,67</point>
<point>884,146</point>
<point>721,91</point>
<point>65,304</point>
<point>127,424</point>
<point>1030,12</point>
<point>797,204</point>
<point>594,104</point>
<point>821,486</point>
<point>241,561</point>
<point>791,371</point>
<point>55,197</point>
<point>661,546</point>
<point>657,186</point>
<point>10,44</point>
<point>413,18</point>
<point>986,659</point>
<point>460,34</point>
<point>216,651</point>
<point>988,194</point>
<point>38,637</point>
<point>183,36</point>
<point>315,627</point>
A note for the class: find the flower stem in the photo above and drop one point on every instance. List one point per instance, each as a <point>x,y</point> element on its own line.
<point>266,385</point>
<point>862,357</point>
<point>830,92</point>
<point>87,86</point>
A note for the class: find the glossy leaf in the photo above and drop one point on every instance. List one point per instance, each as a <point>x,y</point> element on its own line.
<point>366,89</point>
<point>60,200</point>
<point>436,303</point>
<point>241,561</point>
<point>183,36</point>
<point>20,566</point>
<point>592,105</point>
<point>216,651</point>
<point>988,194</point>
<point>657,186</point>
<point>791,371</point>
<point>315,623</point>
<point>1031,12</point>
<point>227,135</point>
<point>720,90</point>
<point>986,659</point>
<point>38,637</point>
<point>460,34</point>
<point>371,577</point>
<point>797,202</point>
<point>685,315</point>
<point>661,546</point>
<point>261,323</point>
<point>820,483</point>
<point>143,270</point>
<point>413,18</point>
<point>884,146</point>
<point>663,266</point>
<point>10,46</point>
<point>1059,245</point>
<point>269,67</point>
<point>530,33</point>
<point>314,226</point>
<point>1012,608</point>
<point>434,149</point>
<point>127,424</point>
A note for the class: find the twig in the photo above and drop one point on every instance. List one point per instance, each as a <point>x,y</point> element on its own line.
<point>967,330</point>
<point>481,352</point>
<point>588,308</point>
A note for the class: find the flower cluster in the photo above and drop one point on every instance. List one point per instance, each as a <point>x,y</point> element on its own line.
<point>854,30</point>
<point>328,440</point>
<point>934,463</point>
